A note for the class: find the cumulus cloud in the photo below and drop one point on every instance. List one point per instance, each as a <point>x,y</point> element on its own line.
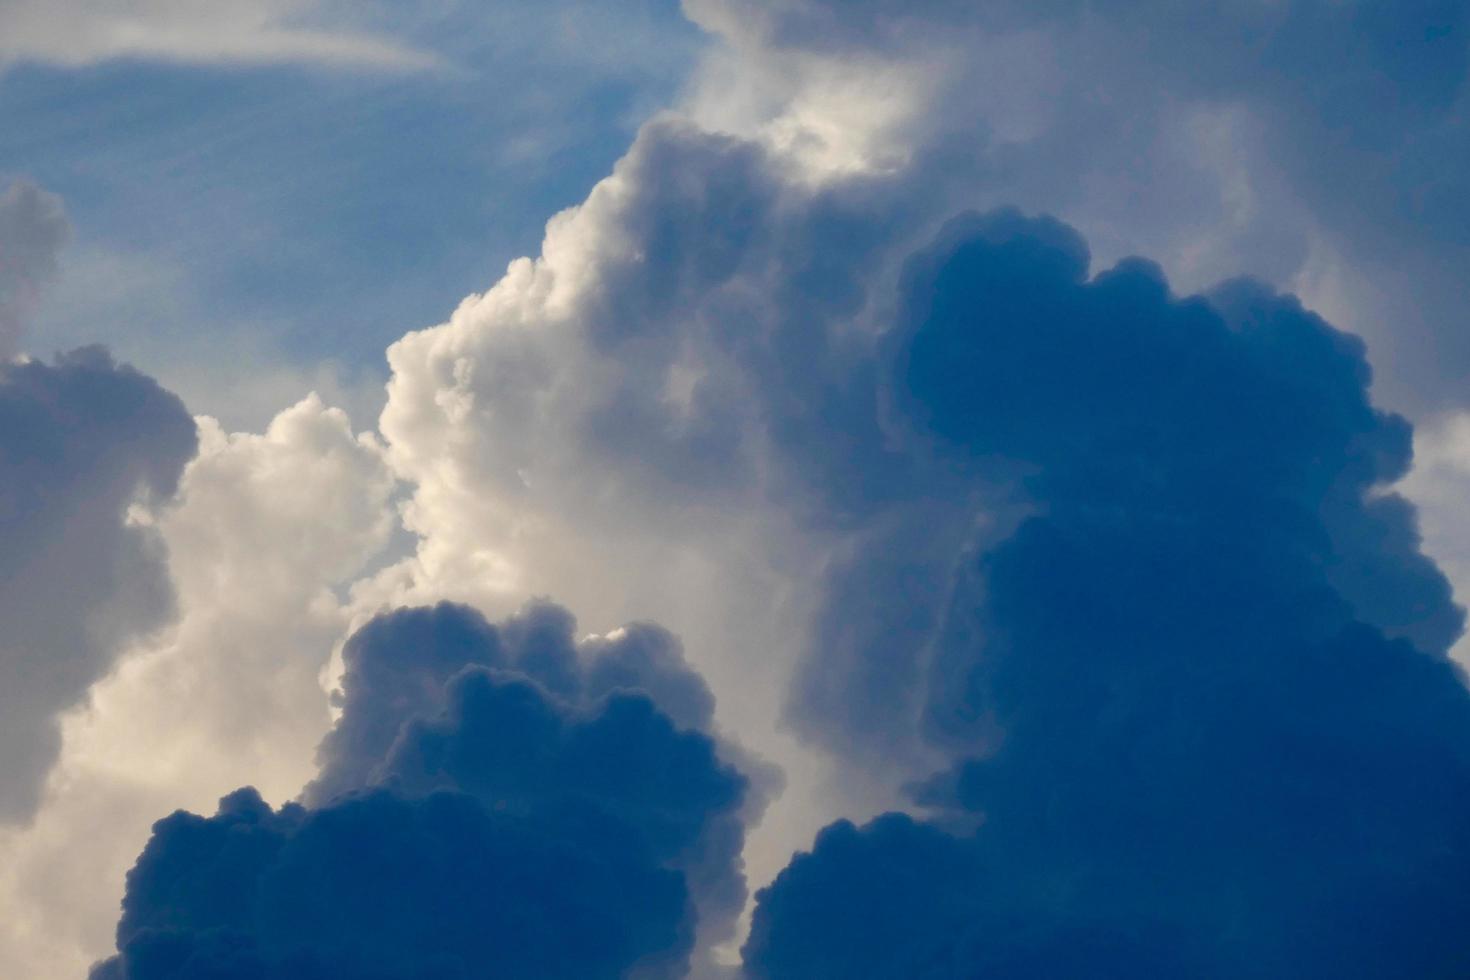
<point>1103,580</point>
<point>259,31</point>
<point>1198,694</point>
<point>33,228</point>
<point>542,813</point>
<point>1185,497</point>
<point>695,367</point>
<point>661,417</point>
<point>82,440</point>
<point>1124,560</point>
<point>266,531</point>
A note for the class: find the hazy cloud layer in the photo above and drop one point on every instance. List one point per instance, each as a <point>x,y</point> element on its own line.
<point>1316,144</point>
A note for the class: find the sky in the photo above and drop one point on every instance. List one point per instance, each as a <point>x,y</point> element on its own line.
<point>734,488</point>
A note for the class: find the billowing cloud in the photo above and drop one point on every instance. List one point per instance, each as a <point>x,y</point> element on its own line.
<point>671,415</point>
<point>1103,583</point>
<point>538,812</point>
<point>1105,388</point>
<point>1197,691</point>
<point>82,440</point>
<point>266,530</point>
<point>33,228</point>
<point>695,380</point>
<point>258,31</point>
<point>1185,495</point>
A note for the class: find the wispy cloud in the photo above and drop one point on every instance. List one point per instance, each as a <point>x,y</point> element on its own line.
<point>77,33</point>
<point>33,227</point>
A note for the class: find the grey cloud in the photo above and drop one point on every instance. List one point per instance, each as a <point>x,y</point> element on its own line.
<point>81,439</point>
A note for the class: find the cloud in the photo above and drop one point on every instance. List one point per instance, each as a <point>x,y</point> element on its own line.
<point>917,902</point>
<point>717,355</point>
<point>384,689</point>
<point>257,32</point>
<point>266,532</point>
<point>685,407</point>
<point>33,228</point>
<point>670,414</point>
<point>577,730</point>
<point>1241,138</point>
<point>1437,485</point>
<point>541,812</point>
<point>1197,692</point>
<point>1107,572</point>
<point>82,440</point>
<point>257,893</point>
<point>1197,481</point>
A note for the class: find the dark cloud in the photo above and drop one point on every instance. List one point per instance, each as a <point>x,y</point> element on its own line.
<point>494,798</point>
<point>378,886</point>
<point>899,898</point>
<point>81,439</point>
<point>1196,689</point>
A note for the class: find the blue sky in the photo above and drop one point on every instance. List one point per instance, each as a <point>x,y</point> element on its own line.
<point>309,213</point>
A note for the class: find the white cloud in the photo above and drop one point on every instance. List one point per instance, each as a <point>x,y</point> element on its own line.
<point>1439,485</point>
